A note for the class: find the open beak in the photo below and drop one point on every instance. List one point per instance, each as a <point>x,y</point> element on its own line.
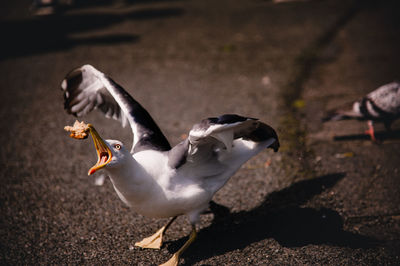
<point>104,154</point>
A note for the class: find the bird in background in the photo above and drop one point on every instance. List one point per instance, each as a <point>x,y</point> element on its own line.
<point>153,178</point>
<point>380,105</point>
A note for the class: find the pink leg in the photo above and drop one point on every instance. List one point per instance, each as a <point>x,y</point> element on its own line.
<point>370,130</point>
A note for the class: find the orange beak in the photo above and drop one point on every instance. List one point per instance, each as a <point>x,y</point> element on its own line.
<point>104,154</point>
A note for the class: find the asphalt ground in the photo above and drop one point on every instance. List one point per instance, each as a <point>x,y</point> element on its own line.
<point>329,196</point>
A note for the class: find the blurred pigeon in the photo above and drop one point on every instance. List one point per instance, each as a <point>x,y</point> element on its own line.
<point>380,105</point>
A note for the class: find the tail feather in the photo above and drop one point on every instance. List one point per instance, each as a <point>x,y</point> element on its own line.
<point>343,114</point>
<point>335,116</point>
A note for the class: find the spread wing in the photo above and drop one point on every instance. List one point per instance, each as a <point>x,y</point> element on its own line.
<point>229,138</point>
<point>85,88</point>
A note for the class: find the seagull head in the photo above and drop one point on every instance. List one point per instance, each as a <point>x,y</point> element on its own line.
<point>109,152</point>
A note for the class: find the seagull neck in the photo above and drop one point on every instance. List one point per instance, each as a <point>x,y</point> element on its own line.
<point>124,171</point>
<point>129,180</point>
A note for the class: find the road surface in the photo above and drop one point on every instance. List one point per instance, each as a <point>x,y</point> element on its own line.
<point>329,196</point>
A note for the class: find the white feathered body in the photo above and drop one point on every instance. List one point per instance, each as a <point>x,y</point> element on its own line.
<point>155,179</point>
<point>152,188</point>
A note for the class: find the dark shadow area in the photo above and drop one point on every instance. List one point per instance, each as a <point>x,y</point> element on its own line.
<point>380,136</point>
<point>63,6</point>
<point>91,3</point>
<point>46,34</point>
<point>150,1</point>
<point>280,217</point>
<point>88,3</point>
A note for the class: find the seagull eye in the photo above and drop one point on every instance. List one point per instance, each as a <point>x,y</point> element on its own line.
<point>117,146</point>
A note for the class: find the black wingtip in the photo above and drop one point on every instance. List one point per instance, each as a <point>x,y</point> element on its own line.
<point>326,119</point>
<point>73,78</point>
<point>275,146</point>
<point>262,133</point>
<point>68,85</point>
<point>230,118</point>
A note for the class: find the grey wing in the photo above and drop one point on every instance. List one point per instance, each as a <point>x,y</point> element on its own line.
<point>386,99</point>
<point>229,138</point>
<point>86,88</point>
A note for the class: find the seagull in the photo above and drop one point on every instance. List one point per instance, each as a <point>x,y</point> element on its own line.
<point>153,178</point>
<point>380,105</point>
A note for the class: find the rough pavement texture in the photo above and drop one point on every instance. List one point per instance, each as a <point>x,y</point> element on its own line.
<point>184,61</point>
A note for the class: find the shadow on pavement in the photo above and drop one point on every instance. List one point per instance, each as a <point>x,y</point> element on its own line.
<point>280,217</point>
<point>52,33</point>
<point>95,3</point>
<point>381,136</point>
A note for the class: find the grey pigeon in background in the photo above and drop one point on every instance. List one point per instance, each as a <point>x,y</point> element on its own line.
<point>380,105</point>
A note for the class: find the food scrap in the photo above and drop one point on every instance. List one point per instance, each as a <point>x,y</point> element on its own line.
<point>78,131</point>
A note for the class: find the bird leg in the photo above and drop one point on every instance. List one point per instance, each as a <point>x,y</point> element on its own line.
<point>388,125</point>
<point>370,130</point>
<point>173,261</point>
<point>155,241</point>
